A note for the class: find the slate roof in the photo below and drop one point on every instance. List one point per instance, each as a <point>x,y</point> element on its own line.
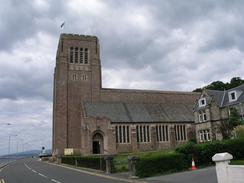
<point>240,99</point>
<point>222,97</point>
<point>218,96</point>
<point>140,112</point>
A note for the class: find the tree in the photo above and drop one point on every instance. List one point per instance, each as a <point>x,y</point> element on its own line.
<point>227,126</point>
<point>216,85</point>
<point>198,90</point>
<point>219,85</point>
<point>236,81</point>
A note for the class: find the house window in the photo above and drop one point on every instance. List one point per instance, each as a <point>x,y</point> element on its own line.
<point>180,133</point>
<point>143,133</point>
<point>71,55</point>
<point>202,102</point>
<point>204,135</point>
<point>200,117</point>
<point>204,115</point>
<point>232,96</point>
<point>122,134</point>
<point>162,133</point>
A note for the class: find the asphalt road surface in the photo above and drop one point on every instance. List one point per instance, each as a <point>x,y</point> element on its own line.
<point>205,175</point>
<point>33,171</point>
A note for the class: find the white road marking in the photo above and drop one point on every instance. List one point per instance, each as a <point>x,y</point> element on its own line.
<point>1,169</point>
<point>42,175</point>
<point>55,181</point>
<point>37,173</point>
<point>27,166</point>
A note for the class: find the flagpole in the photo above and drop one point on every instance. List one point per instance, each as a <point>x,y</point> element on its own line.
<point>62,26</point>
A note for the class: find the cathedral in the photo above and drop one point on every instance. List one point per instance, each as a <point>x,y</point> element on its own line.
<point>91,119</point>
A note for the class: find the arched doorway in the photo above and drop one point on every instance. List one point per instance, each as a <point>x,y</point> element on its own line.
<point>97,143</point>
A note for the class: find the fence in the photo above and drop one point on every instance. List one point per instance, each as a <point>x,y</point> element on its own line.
<point>228,173</point>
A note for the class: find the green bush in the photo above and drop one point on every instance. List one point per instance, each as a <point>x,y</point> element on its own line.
<point>204,152</point>
<point>235,147</point>
<point>238,131</point>
<point>160,164</point>
<point>85,161</point>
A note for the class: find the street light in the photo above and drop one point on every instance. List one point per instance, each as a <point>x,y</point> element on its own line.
<point>9,140</point>
<point>22,144</point>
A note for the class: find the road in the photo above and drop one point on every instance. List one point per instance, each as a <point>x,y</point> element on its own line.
<point>198,176</point>
<point>33,171</point>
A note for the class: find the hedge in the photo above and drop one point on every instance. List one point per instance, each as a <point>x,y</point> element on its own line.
<point>160,164</point>
<point>85,161</point>
<point>203,153</point>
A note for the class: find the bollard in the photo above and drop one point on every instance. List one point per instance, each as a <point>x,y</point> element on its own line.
<point>222,160</point>
<point>109,161</point>
<point>59,159</point>
<point>132,166</point>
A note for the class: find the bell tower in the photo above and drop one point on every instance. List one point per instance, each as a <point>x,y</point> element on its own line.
<point>77,78</point>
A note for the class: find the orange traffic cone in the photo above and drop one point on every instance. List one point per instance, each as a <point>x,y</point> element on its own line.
<point>193,166</point>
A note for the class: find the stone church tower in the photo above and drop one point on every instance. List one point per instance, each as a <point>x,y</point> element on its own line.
<point>77,78</point>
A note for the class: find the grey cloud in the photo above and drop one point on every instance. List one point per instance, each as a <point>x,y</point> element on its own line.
<point>183,45</point>
<point>32,83</point>
<point>21,20</point>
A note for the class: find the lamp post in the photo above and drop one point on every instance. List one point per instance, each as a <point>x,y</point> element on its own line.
<point>22,144</point>
<point>9,141</point>
<point>9,137</point>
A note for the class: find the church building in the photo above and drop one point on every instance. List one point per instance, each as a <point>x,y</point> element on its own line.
<point>94,120</point>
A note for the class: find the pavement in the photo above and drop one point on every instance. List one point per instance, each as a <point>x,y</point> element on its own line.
<point>197,176</point>
<point>34,171</point>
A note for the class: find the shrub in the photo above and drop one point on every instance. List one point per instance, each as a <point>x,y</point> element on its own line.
<point>203,153</point>
<point>239,131</point>
<point>160,164</point>
<point>85,161</point>
<point>235,147</point>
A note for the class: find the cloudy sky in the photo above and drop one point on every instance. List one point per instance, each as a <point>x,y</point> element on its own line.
<point>151,44</point>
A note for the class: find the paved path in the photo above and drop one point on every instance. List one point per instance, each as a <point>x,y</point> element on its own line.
<point>33,171</point>
<point>206,175</point>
